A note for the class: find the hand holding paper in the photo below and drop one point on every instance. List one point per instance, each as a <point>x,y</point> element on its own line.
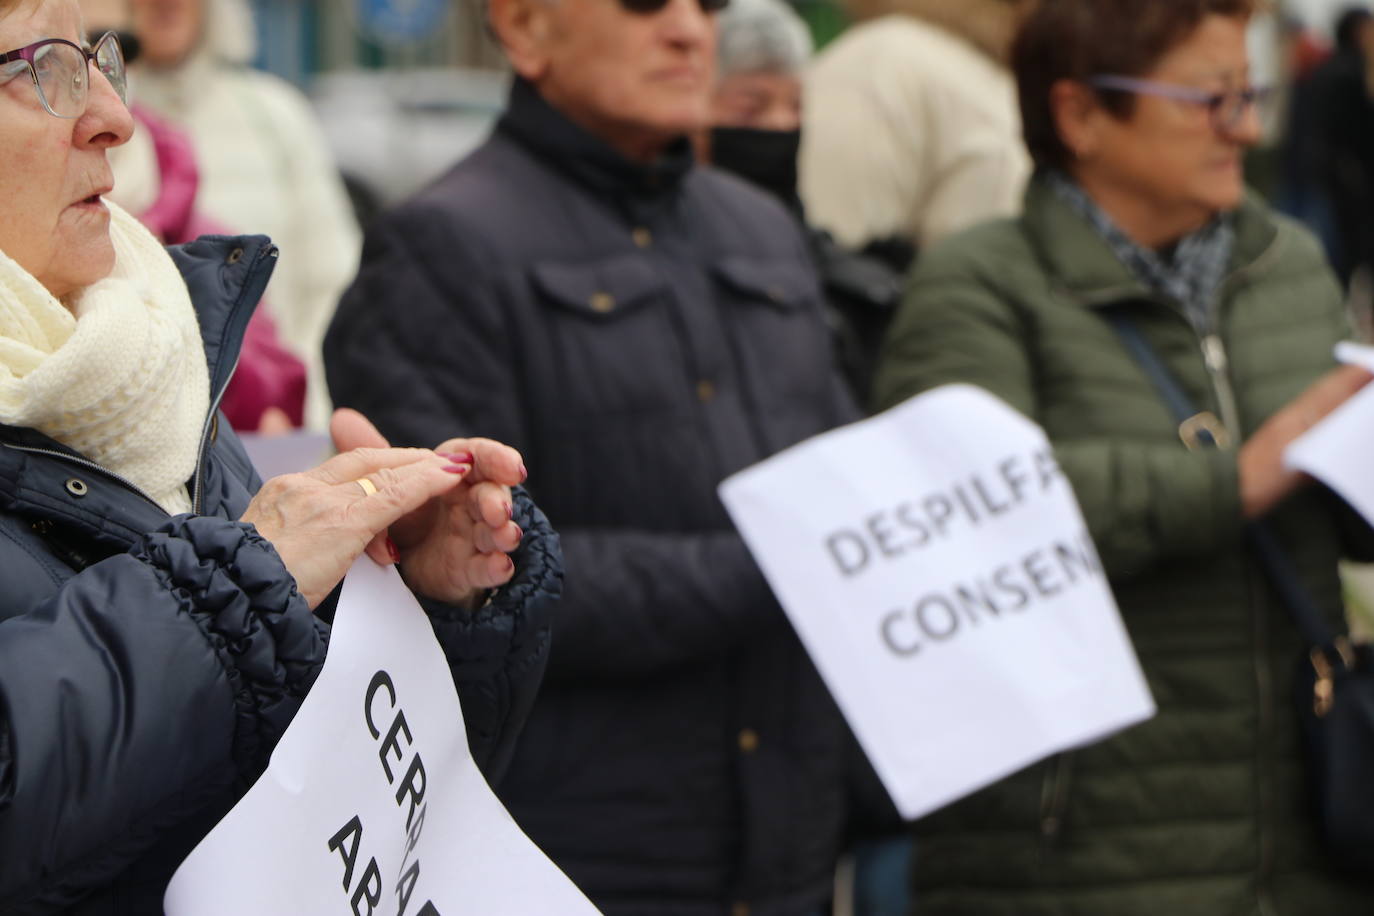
<point>1265,477</point>
<point>1338,449</point>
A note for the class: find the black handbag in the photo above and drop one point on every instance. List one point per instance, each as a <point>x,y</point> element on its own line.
<point>1336,681</point>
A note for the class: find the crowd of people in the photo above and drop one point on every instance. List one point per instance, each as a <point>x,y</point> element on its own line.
<point>690,242</point>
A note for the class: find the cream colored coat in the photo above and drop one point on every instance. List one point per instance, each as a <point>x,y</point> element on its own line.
<point>911,130</point>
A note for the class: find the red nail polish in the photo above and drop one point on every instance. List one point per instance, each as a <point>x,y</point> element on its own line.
<point>392,551</point>
<point>510,564</point>
<point>458,457</point>
<point>524,474</point>
<point>510,512</point>
<point>458,468</point>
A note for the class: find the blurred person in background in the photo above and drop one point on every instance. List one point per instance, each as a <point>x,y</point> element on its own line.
<point>756,130</point>
<point>642,326</point>
<point>157,180</point>
<point>912,130</point>
<point>1138,209</point>
<point>162,609</point>
<point>1342,123</point>
<point>264,164</point>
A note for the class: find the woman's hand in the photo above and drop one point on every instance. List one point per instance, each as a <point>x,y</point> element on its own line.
<point>321,520</point>
<point>455,546</point>
<point>1264,481</point>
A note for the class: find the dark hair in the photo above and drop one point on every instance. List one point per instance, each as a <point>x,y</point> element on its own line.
<point>1348,25</point>
<point>1076,39</point>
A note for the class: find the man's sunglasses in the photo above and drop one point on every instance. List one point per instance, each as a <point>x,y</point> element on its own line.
<point>649,7</point>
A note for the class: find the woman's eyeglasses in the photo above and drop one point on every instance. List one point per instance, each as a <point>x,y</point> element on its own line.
<point>1226,109</point>
<point>60,71</point>
<point>648,7</point>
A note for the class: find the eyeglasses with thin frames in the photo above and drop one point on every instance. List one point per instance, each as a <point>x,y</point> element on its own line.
<point>60,71</point>
<point>1226,109</point>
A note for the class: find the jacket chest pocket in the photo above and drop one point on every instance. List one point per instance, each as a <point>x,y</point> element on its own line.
<point>611,337</point>
<point>785,347</point>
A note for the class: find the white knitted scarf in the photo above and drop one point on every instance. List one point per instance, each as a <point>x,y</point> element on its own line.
<point>120,376</point>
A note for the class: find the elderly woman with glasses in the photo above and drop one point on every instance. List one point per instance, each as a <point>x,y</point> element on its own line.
<point>1138,227</point>
<point>159,613</point>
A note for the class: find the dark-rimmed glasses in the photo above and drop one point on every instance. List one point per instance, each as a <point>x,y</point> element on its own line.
<point>648,7</point>
<point>1226,109</point>
<point>60,71</point>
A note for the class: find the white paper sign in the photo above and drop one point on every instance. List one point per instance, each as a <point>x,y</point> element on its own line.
<point>937,567</point>
<point>372,803</point>
<point>1337,449</point>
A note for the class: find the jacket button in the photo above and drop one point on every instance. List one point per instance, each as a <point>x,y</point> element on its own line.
<point>642,236</point>
<point>601,302</point>
<point>214,428</point>
<point>706,391</point>
<point>77,488</point>
<point>748,740</point>
<point>236,255</point>
<point>739,909</point>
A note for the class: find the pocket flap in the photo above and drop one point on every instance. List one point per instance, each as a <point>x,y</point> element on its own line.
<point>786,284</point>
<point>603,288</point>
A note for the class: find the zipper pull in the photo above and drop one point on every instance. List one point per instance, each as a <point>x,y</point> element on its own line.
<point>1214,353</point>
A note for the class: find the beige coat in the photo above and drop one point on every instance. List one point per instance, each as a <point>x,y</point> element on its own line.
<point>911,125</point>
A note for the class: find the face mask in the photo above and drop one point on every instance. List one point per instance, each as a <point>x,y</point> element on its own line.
<point>766,158</point>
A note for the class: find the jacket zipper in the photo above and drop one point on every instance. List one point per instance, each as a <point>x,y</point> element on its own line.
<point>198,482</point>
<point>1219,370</point>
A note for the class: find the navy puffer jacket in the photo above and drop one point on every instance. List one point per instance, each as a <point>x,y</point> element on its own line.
<point>149,664</point>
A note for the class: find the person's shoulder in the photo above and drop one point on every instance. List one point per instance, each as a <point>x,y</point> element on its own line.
<point>741,204</point>
<point>279,98</point>
<point>1276,241</point>
<point>988,252</point>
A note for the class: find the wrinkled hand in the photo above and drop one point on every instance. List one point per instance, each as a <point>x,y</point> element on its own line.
<point>321,520</point>
<point>456,545</point>
<point>1264,481</point>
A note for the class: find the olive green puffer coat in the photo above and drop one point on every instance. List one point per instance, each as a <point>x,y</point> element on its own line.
<point>1201,811</point>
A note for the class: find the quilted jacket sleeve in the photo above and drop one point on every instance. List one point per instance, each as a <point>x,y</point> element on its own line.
<point>1144,502</point>
<point>497,655</point>
<point>637,602</point>
<point>147,685</point>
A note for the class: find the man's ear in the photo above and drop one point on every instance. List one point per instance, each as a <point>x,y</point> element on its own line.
<point>1077,117</point>
<point>522,27</point>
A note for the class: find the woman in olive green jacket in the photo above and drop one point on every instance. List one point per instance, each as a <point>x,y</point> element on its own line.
<point>1139,207</point>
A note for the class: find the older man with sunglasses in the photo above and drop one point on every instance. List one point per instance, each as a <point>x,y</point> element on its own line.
<point>641,326</point>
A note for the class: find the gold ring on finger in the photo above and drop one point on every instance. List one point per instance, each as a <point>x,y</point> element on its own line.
<point>369,488</point>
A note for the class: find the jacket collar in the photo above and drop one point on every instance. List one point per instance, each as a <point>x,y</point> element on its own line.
<point>546,131</point>
<point>1082,262</point>
<point>226,277</point>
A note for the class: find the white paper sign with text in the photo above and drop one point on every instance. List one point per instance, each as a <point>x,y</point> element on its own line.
<point>372,802</point>
<point>937,567</point>
<point>1337,449</point>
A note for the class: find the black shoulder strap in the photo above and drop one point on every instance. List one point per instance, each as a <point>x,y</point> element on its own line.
<point>1279,569</point>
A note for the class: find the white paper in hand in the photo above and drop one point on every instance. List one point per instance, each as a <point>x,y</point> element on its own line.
<point>372,803</point>
<point>1337,449</point>
<point>937,567</point>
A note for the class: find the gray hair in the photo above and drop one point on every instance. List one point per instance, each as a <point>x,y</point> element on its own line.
<point>761,36</point>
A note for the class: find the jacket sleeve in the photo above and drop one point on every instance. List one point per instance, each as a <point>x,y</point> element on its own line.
<point>426,360</point>
<point>144,688</point>
<point>1144,501</point>
<point>498,654</point>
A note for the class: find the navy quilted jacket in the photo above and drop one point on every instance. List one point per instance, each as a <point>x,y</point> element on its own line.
<point>148,664</point>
